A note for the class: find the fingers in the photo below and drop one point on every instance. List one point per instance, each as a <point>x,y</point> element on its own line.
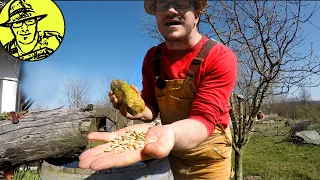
<point>158,143</point>
<point>99,136</point>
<point>102,136</point>
<point>87,157</point>
<point>129,116</point>
<point>157,150</point>
<point>108,160</point>
<point>113,100</point>
<point>110,93</point>
<point>97,159</point>
<point>107,136</point>
<point>93,152</point>
<point>135,89</point>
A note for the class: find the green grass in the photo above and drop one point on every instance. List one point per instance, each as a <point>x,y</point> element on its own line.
<point>315,127</point>
<point>96,143</point>
<point>272,158</point>
<point>26,175</point>
<point>267,155</point>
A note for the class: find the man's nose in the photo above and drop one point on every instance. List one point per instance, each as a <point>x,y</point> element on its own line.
<point>24,27</point>
<point>171,9</point>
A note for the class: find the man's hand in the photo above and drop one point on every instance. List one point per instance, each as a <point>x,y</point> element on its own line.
<point>148,115</point>
<point>159,142</point>
<point>115,103</point>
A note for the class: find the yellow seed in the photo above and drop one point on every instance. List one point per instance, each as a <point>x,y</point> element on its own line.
<point>109,149</point>
<point>131,140</point>
<point>141,145</point>
<point>136,146</point>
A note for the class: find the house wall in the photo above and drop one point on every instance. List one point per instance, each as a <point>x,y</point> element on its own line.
<point>10,69</point>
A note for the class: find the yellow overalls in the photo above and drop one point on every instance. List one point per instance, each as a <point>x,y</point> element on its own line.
<point>212,158</point>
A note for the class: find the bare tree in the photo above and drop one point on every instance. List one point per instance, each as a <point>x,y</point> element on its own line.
<point>304,96</point>
<point>104,105</point>
<point>149,26</point>
<point>268,39</point>
<point>105,88</point>
<point>76,92</point>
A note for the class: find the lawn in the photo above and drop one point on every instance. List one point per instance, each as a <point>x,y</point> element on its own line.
<point>267,155</point>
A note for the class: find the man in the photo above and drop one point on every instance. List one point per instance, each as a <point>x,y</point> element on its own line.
<point>188,79</point>
<point>28,43</point>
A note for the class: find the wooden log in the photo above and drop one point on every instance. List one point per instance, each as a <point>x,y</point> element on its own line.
<point>44,134</point>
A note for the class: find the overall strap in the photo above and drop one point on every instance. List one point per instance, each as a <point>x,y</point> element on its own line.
<point>157,62</point>
<point>196,62</point>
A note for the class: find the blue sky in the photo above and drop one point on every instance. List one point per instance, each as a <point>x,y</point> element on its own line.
<point>100,41</point>
<point>102,38</point>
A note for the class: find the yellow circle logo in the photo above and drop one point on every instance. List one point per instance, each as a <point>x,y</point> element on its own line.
<point>31,30</point>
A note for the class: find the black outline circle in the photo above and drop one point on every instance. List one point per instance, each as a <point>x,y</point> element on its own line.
<point>64,33</point>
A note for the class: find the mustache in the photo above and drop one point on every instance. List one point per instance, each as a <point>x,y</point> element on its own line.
<point>172,18</point>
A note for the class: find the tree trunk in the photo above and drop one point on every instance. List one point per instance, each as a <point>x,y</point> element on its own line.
<point>44,134</point>
<point>238,164</point>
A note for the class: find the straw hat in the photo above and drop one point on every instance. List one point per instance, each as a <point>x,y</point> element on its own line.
<point>150,6</point>
<point>19,11</point>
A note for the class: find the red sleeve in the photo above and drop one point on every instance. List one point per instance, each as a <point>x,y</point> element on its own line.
<point>216,80</point>
<point>148,84</point>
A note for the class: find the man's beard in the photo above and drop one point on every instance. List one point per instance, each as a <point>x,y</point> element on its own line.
<point>182,38</point>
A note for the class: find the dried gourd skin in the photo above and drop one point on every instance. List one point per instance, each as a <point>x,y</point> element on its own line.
<point>130,100</point>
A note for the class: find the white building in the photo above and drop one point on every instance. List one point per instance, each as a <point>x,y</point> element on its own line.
<point>11,98</point>
<point>10,71</point>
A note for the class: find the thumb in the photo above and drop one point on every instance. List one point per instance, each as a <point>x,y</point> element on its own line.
<point>135,89</point>
<point>159,149</point>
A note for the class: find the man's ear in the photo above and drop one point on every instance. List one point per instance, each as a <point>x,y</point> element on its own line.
<point>197,16</point>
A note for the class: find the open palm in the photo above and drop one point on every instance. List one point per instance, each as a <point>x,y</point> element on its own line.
<point>159,142</point>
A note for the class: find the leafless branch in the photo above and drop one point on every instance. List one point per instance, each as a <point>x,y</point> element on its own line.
<point>76,92</point>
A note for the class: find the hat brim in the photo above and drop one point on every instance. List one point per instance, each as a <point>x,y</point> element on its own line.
<point>150,6</point>
<point>38,17</point>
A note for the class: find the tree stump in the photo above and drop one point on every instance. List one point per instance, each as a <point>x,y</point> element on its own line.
<point>44,134</point>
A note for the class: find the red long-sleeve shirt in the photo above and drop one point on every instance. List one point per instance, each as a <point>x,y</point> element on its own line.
<point>214,80</point>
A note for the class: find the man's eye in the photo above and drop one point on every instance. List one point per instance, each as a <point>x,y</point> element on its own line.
<point>18,24</point>
<point>30,21</point>
<point>162,4</point>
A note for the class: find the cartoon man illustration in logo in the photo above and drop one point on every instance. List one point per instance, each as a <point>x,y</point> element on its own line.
<point>29,44</point>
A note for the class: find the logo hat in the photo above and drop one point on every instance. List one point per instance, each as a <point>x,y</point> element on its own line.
<point>19,11</point>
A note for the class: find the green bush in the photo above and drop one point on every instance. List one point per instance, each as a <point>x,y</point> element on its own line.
<point>308,112</point>
<point>295,110</point>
